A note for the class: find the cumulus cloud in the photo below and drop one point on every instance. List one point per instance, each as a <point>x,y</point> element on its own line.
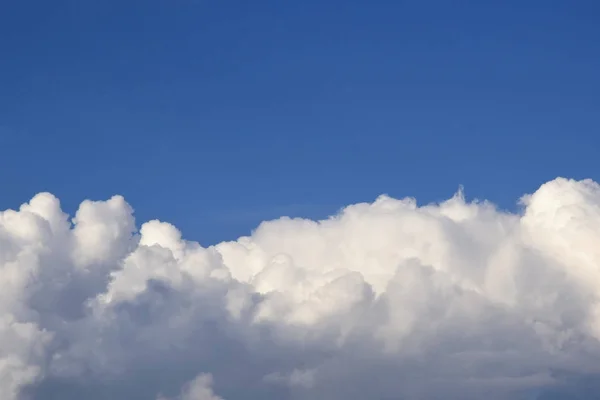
<point>386,300</point>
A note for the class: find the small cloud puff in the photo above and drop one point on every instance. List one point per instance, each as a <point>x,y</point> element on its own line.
<point>197,389</point>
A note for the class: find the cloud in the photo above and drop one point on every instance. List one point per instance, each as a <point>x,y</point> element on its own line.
<point>197,389</point>
<point>386,300</point>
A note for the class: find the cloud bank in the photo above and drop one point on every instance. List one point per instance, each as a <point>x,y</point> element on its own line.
<point>387,300</point>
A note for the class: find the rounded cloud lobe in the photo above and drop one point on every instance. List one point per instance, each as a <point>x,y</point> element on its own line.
<point>387,300</point>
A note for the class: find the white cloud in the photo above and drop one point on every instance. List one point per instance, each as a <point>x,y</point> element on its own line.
<point>198,389</point>
<point>384,300</point>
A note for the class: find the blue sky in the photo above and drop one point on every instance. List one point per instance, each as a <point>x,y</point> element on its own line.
<point>215,115</point>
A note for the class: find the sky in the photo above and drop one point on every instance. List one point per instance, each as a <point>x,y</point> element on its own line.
<point>441,158</point>
<point>239,112</point>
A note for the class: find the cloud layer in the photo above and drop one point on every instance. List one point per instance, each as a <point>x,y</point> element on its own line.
<point>388,300</point>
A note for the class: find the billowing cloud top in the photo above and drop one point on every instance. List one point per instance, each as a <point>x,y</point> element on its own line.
<point>388,300</point>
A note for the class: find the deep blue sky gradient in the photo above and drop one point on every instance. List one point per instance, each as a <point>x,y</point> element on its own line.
<point>215,115</point>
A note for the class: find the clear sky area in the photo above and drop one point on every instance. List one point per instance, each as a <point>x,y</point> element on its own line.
<point>216,115</point>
